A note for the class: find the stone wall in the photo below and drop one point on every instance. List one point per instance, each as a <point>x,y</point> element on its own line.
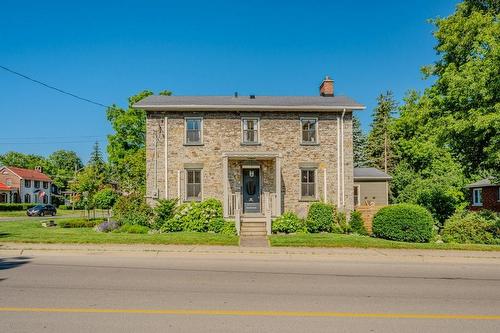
<point>280,132</point>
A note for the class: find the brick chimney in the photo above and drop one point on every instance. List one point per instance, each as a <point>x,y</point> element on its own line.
<point>326,87</point>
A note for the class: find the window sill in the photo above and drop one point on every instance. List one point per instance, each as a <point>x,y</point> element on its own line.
<point>308,199</point>
<point>193,200</point>
<point>193,144</point>
<point>477,205</point>
<point>250,143</point>
<point>309,144</point>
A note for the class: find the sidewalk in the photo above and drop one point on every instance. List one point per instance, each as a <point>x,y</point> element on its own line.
<point>348,254</point>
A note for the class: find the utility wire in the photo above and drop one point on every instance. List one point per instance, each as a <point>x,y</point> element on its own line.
<point>52,137</point>
<point>52,87</point>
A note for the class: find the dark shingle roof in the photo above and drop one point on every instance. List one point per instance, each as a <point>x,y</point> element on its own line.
<point>370,173</point>
<point>482,183</point>
<point>314,103</point>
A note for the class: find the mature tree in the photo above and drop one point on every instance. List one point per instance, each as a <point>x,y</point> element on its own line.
<point>63,164</point>
<point>20,160</point>
<point>359,143</point>
<point>379,146</point>
<point>465,98</point>
<point>126,147</point>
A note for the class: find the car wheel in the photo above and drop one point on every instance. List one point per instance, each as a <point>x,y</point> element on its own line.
<point>53,213</point>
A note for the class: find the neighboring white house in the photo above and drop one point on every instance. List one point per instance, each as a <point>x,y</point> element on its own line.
<point>26,186</point>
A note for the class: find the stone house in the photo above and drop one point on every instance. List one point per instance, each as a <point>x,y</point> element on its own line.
<point>260,155</point>
<point>26,185</point>
<point>484,194</point>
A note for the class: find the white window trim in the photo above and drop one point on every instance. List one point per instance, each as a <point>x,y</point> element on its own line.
<point>243,129</point>
<point>498,194</point>
<point>474,203</point>
<point>359,195</point>
<point>302,142</point>
<point>316,194</point>
<point>185,131</point>
<point>186,198</point>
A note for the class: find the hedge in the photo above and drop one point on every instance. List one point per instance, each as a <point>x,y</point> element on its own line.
<point>403,222</point>
<point>9,207</point>
<point>288,223</point>
<point>320,217</point>
<point>78,223</point>
<point>470,228</point>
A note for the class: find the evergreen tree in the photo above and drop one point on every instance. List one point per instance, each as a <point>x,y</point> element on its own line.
<point>359,143</point>
<point>379,147</point>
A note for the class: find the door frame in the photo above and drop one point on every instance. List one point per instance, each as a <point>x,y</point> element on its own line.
<point>251,166</point>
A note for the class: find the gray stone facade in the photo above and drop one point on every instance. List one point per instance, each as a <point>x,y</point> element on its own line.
<point>167,156</point>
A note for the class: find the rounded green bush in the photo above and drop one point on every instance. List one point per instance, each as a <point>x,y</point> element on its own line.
<point>288,223</point>
<point>469,227</point>
<point>403,222</point>
<point>320,217</point>
<point>356,224</point>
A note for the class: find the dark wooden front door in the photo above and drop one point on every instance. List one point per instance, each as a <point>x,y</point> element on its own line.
<point>251,191</point>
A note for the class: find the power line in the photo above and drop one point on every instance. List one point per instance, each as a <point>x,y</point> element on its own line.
<point>53,137</point>
<point>45,143</point>
<point>52,87</point>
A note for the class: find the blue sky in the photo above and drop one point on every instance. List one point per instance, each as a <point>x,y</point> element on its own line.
<point>109,50</point>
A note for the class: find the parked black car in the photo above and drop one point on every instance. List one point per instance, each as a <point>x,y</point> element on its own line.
<point>41,210</point>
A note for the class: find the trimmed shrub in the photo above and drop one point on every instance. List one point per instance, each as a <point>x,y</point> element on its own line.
<point>163,211</point>
<point>469,227</point>
<point>403,222</point>
<point>132,209</point>
<point>195,216</point>
<point>357,225</point>
<point>229,228</point>
<point>340,224</point>
<point>78,223</point>
<point>132,229</point>
<point>106,226</point>
<point>9,207</point>
<point>64,207</point>
<point>320,217</point>
<point>288,223</point>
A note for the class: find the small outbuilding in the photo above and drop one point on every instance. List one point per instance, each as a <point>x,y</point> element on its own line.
<point>371,187</point>
<point>484,194</point>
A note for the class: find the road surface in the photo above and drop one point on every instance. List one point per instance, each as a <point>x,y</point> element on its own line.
<point>207,292</point>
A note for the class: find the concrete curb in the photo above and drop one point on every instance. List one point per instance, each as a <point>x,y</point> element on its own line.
<point>348,254</point>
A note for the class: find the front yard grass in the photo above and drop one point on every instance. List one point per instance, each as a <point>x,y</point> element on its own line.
<point>339,240</point>
<point>33,232</point>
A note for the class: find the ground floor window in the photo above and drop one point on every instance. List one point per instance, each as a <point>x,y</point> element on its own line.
<point>27,198</point>
<point>356,195</point>
<point>477,197</point>
<point>193,185</point>
<point>308,184</point>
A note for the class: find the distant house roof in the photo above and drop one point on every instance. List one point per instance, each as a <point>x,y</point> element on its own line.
<point>4,187</point>
<point>370,174</point>
<point>246,103</point>
<point>29,174</point>
<point>482,183</point>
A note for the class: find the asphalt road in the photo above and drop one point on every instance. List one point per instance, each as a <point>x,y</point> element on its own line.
<point>196,292</point>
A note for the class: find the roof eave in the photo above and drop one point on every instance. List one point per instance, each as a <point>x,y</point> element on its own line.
<point>371,178</point>
<point>247,107</point>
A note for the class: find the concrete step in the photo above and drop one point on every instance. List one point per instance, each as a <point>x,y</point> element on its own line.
<point>247,219</point>
<point>253,233</point>
<point>254,224</point>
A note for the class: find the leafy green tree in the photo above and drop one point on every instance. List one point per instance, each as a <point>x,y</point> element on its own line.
<point>379,145</point>
<point>63,164</point>
<point>126,146</point>
<point>465,98</point>
<point>359,143</point>
<point>20,160</point>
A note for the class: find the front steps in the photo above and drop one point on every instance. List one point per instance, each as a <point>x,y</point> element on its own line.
<point>253,231</point>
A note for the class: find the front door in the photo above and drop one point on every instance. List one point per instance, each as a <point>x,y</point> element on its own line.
<point>251,191</point>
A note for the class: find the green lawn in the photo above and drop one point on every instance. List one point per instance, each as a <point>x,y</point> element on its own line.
<point>33,232</point>
<point>338,240</point>
<point>60,212</point>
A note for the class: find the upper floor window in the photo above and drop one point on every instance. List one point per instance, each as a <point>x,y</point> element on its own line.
<point>477,197</point>
<point>194,131</point>
<point>309,130</point>
<point>193,184</point>
<point>250,128</point>
<point>45,184</point>
<point>37,184</point>
<point>308,184</point>
<point>27,183</point>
